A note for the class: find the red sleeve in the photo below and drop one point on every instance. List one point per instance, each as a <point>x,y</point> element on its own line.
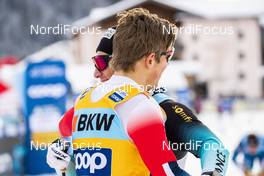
<point>65,124</point>
<point>3,88</point>
<point>147,131</point>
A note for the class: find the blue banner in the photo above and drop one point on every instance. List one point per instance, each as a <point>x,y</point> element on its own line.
<point>45,90</point>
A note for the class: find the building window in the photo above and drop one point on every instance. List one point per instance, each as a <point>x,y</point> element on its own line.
<point>241,55</point>
<point>240,35</point>
<point>241,76</point>
<point>201,89</point>
<point>262,45</point>
<point>195,57</point>
<point>194,37</point>
<point>263,87</point>
<point>178,50</point>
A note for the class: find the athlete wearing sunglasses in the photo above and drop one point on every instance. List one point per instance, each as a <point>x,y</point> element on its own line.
<point>101,62</point>
<point>169,54</point>
<point>178,130</point>
<point>103,56</point>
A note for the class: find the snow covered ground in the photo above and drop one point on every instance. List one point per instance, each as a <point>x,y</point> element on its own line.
<point>230,129</point>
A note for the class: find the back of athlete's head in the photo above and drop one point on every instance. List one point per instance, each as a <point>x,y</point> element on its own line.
<point>253,140</point>
<point>106,43</point>
<point>139,33</point>
<point>103,56</point>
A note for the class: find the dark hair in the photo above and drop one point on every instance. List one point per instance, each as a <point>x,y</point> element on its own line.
<point>138,34</point>
<point>252,140</point>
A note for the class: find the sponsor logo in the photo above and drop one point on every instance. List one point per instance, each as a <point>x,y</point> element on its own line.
<point>39,91</point>
<point>118,96</point>
<point>109,33</point>
<point>220,161</point>
<point>59,153</point>
<point>93,162</point>
<point>159,90</point>
<point>96,121</point>
<point>183,115</point>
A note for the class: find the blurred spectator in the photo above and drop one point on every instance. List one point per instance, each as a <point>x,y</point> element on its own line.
<point>225,104</point>
<point>198,104</point>
<point>252,148</point>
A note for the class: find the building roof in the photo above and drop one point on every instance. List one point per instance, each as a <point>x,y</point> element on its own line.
<point>210,9</point>
<point>217,9</point>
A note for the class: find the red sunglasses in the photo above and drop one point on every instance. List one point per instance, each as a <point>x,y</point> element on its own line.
<point>101,61</point>
<point>168,54</point>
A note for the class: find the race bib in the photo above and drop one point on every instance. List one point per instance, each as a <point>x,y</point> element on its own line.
<point>93,162</point>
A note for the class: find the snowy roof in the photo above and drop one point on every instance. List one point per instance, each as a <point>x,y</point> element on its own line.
<point>211,9</point>
<point>58,50</point>
<point>98,14</point>
<point>215,9</point>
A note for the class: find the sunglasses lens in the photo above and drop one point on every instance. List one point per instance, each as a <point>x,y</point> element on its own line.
<point>101,62</point>
<point>170,54</point>
<point>169,57</point>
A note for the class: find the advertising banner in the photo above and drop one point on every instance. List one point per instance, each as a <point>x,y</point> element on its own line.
<point>45,91</point>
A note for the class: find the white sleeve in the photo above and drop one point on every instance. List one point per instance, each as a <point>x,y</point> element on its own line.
<point>134,109</point>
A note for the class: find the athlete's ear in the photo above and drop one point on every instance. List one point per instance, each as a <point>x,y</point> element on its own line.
<point>150,60</point>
